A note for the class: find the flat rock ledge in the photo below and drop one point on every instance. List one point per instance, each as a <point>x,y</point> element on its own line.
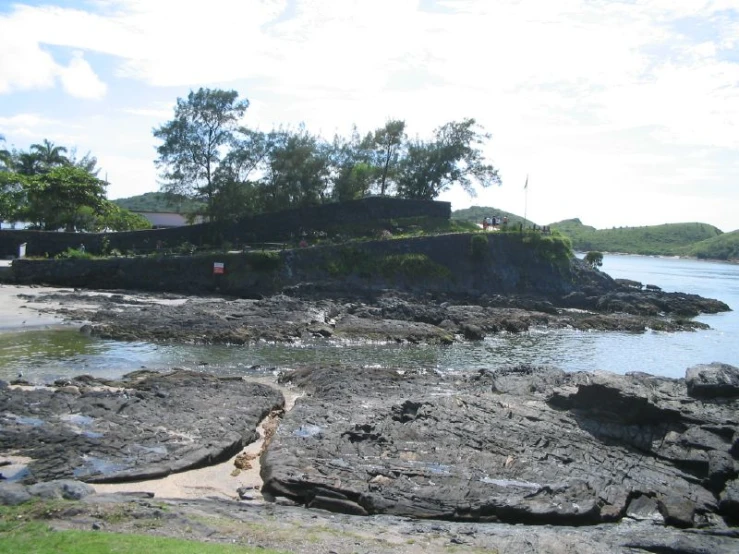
<point>146,425</point>
<point>523,444</point>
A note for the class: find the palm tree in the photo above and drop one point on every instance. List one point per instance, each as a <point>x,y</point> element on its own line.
<point>49,155</point>
<point>28,163</point>
<point>5,156</point>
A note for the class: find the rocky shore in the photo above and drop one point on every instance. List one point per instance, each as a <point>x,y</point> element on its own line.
<point>386,316</point>
<point>513,459</point>
<point>520,459</point>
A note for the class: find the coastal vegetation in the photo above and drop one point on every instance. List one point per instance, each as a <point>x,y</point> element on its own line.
<point>50,188</point>
<point>671,239</point>
<point>207,156</point>
<point>720,247</point>
<point>475,215</point>
<point>160,202</point>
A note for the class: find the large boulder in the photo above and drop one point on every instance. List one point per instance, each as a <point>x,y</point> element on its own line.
<point>714,380</point>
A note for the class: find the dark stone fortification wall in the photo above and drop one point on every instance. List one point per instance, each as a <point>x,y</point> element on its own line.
<point>507,265</point>
<point>273,227</point>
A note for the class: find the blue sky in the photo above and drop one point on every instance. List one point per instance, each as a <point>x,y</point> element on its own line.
<point>622,112</point>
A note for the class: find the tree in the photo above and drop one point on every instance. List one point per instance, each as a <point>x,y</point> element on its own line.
<point>58,199</point>
<point>5,157</point>
<point>12,194</point>
<point>115,218</point>
<point>296,172</point>
<point>594,259</point>
<point>49,155</point>
<point>88,162</point>
<point>196,140</point>
<point>388,142</point>
<point>353,172</point>
<point>453,157</point>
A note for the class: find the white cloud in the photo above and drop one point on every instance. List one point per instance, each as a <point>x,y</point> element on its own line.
<point>570,89</point>
<point>80,80</point>
<point>25,65</point>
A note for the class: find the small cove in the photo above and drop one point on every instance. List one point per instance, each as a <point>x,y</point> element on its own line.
<point>45,355</point>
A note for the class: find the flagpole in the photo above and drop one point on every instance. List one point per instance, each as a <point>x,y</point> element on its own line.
<point>526,200</point>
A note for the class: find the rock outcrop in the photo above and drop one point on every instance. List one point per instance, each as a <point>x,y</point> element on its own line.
<point>518,445</point>
<point>147,425</point>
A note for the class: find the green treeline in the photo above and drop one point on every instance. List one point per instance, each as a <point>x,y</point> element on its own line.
<point>160,202</point>
<point>208,156</point>
<point>51,188</point>
<point>671,239</point>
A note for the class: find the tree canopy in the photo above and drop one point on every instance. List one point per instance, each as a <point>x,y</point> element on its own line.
<point>194,142</point>
<point>50,188</point>
<point>207,156</point>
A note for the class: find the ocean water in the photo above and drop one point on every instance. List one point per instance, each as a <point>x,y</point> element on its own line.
<point>43,356</point>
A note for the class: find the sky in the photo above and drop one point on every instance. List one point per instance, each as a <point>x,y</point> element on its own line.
<point>620,112</point>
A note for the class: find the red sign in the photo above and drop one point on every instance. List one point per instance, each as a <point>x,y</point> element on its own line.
<point>219,268</point>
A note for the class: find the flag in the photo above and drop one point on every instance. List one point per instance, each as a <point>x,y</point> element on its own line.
<point>527,183</point>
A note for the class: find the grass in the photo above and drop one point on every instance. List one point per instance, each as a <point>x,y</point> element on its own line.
<point>22,529</point>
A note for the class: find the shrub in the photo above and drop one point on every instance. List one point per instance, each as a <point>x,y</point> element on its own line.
<point>411,266</point>
<point>594,259</point>
<point>478,246</point>
<point>74,254</point>
<point>264,261</point>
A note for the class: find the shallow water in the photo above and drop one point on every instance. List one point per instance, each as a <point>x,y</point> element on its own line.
<point>42,356</point>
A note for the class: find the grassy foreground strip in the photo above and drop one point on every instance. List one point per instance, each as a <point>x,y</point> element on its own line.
<point>37,538</point>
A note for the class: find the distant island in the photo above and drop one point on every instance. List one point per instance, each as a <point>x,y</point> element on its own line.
<point>699,240</point>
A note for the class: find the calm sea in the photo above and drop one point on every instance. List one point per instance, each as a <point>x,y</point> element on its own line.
<point>42,356</point>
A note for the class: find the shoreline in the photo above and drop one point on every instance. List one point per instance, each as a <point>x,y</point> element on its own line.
<point>20,314</point>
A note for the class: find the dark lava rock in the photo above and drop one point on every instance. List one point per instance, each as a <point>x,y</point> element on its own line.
<point>518,445</point>
<point>147,425</point>
<point>714,380</point>
<point>66,489</point>
<point>13,494</point>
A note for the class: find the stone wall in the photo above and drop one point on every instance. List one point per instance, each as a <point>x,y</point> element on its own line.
<point>508,265</point>
<point>273,227</point>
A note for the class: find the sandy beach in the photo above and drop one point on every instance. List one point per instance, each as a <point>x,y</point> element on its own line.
<point>17,314</point>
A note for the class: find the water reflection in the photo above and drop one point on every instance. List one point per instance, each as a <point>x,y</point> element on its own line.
<point>43,356</point>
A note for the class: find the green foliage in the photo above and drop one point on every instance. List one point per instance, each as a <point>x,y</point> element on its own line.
<point>454,157</point>
<point>354,261</point>
<point>721,247</point>
<point>478,247</point>
<point>553,247</point>
<point>160,202</point>
<point>388,144</point>
<point>115,218</point>
<point>349,260</point>
<point>75,254</point>
<point>12,194</point>
<point>594,259</point>
<point>186,248</point>
<point>297,171</point>
<point>195,141</point>
<point>672,239</point>
<point>264,261</point>
<point>475,215</point>
<point>411,266</point>
<point>20,535</point>
<point>65,197</point>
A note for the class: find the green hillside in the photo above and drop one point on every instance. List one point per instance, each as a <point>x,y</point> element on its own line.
<point>159,202</point>
<point>721,247</point>
<point>475,214</point>
<point>670,239</point>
